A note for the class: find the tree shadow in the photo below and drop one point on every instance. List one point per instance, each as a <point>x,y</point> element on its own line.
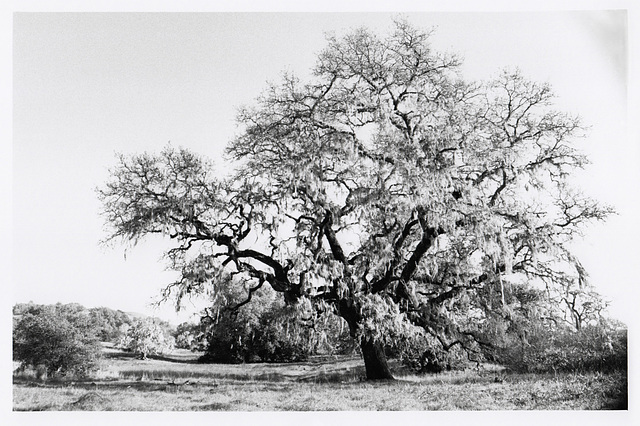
<point>174,359</point>
<point>112,384</point>
<point>192,359</point>
<point>216,406</point>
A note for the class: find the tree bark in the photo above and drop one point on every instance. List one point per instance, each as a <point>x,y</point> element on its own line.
<point>375,361</point>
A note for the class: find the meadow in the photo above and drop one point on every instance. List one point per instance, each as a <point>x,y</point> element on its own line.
<point>177,382</point>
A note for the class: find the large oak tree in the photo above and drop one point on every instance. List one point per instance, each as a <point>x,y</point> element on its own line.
<point>386,190</point>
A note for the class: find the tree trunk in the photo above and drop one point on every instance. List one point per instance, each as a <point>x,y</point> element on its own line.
<point>375,361</point>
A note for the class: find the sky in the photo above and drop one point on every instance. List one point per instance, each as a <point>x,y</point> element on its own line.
<point>86,86</point>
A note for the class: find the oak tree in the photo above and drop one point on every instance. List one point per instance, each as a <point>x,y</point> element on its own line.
<point>386,190</point>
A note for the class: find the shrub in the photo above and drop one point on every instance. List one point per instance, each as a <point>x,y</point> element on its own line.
<point>598,347</point>
<point>146,336</point>
<point>279,337</point>
<point>227,342</point>
<point>270,334</point>
<point>191,336</point>
<point>58,343</point>
<point>268,330</point>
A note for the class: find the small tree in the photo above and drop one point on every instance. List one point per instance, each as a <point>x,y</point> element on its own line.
<point>147,337</point>
<point>63,344</point>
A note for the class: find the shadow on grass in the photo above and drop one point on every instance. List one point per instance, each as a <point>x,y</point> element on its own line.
<point>189,359</point>
<point>351,375</point>
<point>175,381</point>
<point>216,406</point>
<point>46,407</point>
<point>617,397</point>
<point>618,404</point>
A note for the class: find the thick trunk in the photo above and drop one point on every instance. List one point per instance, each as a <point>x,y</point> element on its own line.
<point>375,361</point>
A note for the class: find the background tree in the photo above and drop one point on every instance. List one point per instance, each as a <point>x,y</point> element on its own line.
<point>386,189</point>
<point>56,338</point>
<point>191,336</point>
<point>20,309</point>
<point>104,321</point>
<point>147,336</point>
<point>108,322</point>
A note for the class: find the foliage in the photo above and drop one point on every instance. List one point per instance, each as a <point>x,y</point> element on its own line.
<point>20,309</point>
<point>600,347</point>
<point>280,337</point>
<point>191,336</point>
<point>108,323</point>
<point>58,337</point>
<point>267,330</point>
<point>386,179</point>
<point>105,321</point>
<point>531,333</point>
<point>147,336</point>
<point>422,353</point>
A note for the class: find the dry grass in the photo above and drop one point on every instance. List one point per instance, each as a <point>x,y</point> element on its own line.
<point>177,383</point>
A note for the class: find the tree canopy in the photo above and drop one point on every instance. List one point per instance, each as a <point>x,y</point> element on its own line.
<point>386,189</point>
<point>146,336</point>
<point>61,338</point>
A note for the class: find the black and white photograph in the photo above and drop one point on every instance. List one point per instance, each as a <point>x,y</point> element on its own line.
<point>320,213</point>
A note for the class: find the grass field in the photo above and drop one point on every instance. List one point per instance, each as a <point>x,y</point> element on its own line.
<point>177,383</point>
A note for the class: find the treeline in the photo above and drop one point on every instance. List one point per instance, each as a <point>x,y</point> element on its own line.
<point>523,334</point>
<point>105,324</point>
<point>112,326</point>
<point>65,338</point>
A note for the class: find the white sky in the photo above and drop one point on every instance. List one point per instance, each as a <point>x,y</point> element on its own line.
<point>88,85</point>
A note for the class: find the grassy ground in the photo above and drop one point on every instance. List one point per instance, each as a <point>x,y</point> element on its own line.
<point>177,383</point>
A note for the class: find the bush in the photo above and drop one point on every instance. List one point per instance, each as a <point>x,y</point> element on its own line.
<point>191,336</point>
<point>148,336</point>
<point>270,335</point>
<point>280,337</point>
<point>228,342</point>
<point>268,330</point>
<point>424,354</point>
<point>599,347</point>
<point>54,342</point>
